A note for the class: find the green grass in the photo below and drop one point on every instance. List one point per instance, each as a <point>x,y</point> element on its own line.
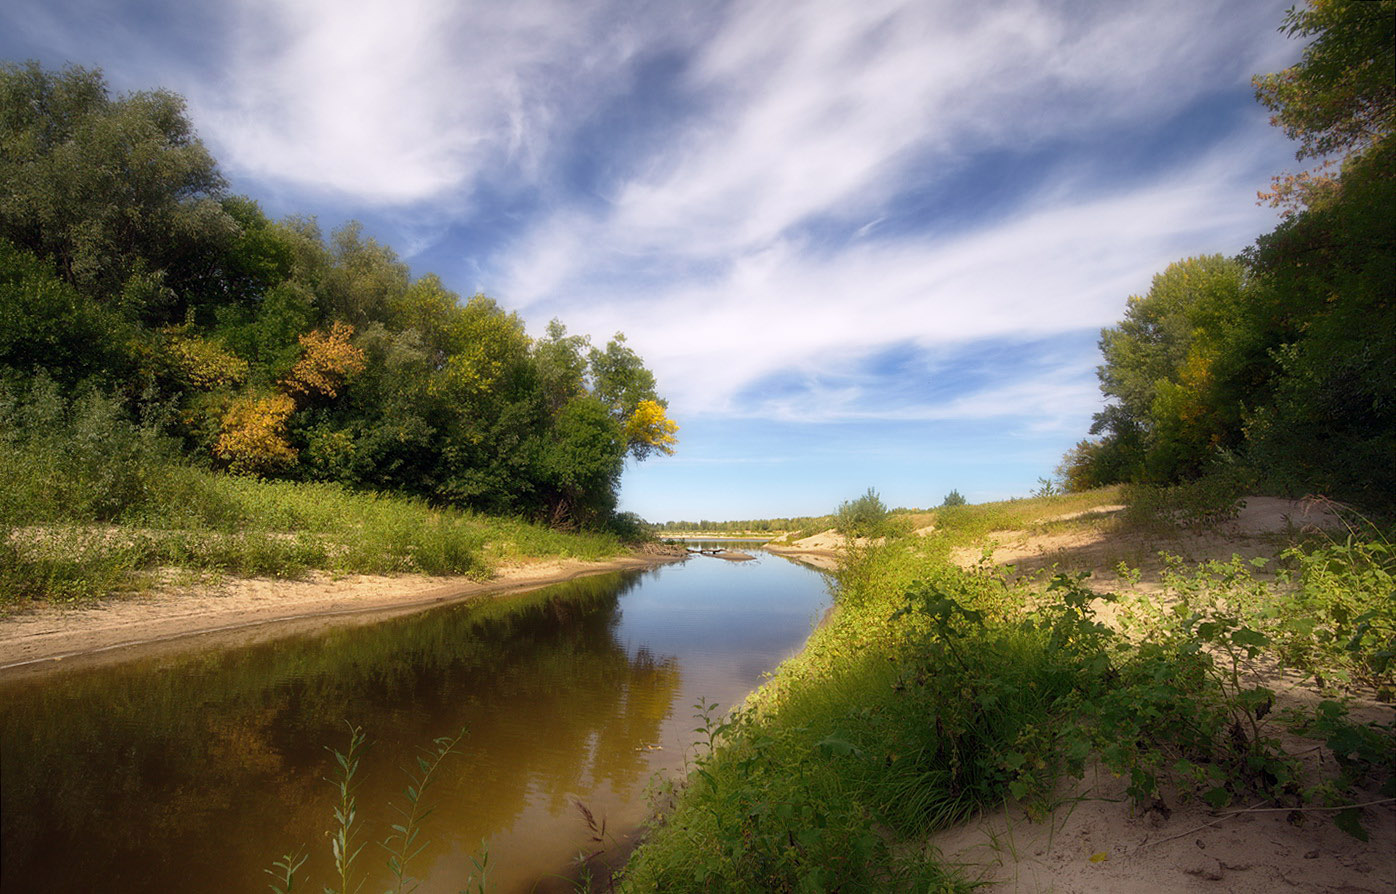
<point>245,527</point>
<point>935,693</point>
<point>95,503</point>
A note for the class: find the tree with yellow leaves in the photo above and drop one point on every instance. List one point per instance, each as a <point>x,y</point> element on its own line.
<point>327,360</point>
<point>650,430</point>
<point>253,437</point>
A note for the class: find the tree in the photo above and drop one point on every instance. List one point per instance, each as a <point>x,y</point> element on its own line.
<point>626,388</point>
<point>120,194</point>
<point>45,324</point>
<point>1330,422</point>
<point>864,517</point>
<point>582,464</point>
<point>561,360</point>
<point>1177,368</point>
<point>1341,96</point>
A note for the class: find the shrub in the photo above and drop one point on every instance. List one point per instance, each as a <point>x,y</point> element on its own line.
<point>1201,504</point>
<point>83,459</point>
<point>866,516</point>
<point>253,436</point>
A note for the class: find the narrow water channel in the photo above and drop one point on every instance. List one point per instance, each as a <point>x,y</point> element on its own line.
<point>195,773</point>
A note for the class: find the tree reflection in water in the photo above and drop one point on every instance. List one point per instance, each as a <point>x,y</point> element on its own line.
<point>194,773</point>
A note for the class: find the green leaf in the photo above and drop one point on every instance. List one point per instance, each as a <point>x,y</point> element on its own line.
<point>834,745</point>
<point>1248,637</point>
<point>1217,798</point>
<point>1350,821</point>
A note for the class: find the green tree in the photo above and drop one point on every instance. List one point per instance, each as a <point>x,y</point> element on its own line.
<point>45,324</point>
<point>1341,95</point>
<point>120,194</point>
<point>1178,366</point>
<point>582,464</point>
<point>627,389</point>
<point>1330,422</point>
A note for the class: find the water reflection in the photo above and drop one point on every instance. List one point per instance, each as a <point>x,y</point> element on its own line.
<point>192,774</point>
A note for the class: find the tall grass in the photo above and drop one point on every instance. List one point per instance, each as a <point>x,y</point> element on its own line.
<point>96,502</point>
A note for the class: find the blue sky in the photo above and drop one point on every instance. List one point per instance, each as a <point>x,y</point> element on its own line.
<point>861,243</point>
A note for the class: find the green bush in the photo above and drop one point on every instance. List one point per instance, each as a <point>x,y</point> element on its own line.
<point>1196,505</point>
<point>867,516</point>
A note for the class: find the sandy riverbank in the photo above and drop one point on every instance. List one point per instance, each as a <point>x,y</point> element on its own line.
<point>1098,840</point>
<point>238,611</point>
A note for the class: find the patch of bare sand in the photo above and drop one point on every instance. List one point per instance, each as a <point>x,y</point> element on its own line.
<point>1101,843</point>
<point>1098,544</point>
<point>828,546</point>
<point>238,611</point>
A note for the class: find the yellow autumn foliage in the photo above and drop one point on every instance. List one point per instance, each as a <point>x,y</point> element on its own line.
<point>650,428</point>
<point>253,436</point>
<point>327,360</point>
<point>204,363</point>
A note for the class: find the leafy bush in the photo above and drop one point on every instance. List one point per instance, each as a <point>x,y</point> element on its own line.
<point>867,516</point>
<point>1197,505</point>
<point>79,459</point>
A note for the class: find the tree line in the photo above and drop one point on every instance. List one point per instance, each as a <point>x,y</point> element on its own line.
<point>1280,362</point>
<point>127,267</point>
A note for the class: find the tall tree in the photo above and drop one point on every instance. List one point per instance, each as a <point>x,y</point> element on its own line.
<point>120,193</point>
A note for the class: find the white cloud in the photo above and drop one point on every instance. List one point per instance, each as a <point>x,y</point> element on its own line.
<point>822,110</point>
<point>699,258</point>
<point>1064,264</point>
<point>402,101</point>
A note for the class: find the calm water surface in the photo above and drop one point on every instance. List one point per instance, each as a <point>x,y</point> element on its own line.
<point>195,773</point>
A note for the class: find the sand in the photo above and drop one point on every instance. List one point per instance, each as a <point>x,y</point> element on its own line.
<point>238,611</point>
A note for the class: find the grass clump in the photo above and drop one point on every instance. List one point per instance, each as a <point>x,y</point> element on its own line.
<point>347,834</point>
<point>1196,505</point>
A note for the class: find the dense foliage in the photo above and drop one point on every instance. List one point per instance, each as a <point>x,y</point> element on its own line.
<point>1281,359</point>
<point>128,269</point>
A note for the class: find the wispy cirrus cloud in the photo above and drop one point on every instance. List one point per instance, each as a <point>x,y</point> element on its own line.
<point>772,233</point>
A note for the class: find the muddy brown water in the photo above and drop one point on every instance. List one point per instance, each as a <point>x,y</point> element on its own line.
<point>194,773</point>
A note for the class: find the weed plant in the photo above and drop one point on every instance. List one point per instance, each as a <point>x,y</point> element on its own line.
<point>347,834</point>
<point>1197,505</point>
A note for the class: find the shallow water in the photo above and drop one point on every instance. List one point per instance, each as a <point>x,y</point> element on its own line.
<point>195,773</point>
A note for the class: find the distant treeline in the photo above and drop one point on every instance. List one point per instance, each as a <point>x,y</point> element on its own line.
<point>128,269</point>
<point>754,526</point>
<point>1278,366</point>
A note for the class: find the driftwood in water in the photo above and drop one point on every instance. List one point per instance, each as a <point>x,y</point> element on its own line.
<point>718,552</point>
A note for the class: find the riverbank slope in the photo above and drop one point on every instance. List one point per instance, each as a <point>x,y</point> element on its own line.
<point>237,611</point>
<point>1060,694</point>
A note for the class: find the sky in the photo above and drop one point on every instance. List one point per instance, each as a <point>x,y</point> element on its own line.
<point>861,243</point>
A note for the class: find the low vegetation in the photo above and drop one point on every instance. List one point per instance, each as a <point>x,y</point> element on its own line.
<point>937,692</point>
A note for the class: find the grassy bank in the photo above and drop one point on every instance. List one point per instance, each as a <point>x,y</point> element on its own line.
<point>937,692</point>
<point>96,504</point>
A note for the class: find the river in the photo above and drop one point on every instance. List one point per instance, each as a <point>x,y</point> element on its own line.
<point>194,773</point>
